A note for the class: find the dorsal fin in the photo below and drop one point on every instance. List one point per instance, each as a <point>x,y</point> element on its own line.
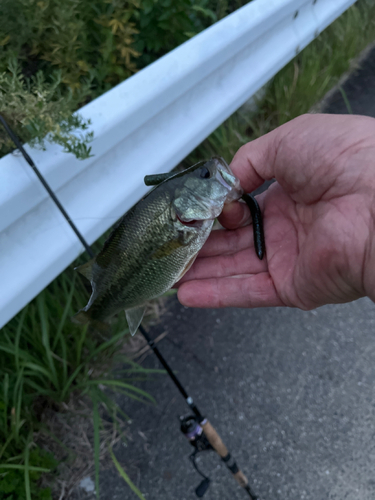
<point>86,269</point>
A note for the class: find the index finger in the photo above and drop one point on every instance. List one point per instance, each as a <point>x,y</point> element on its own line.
<point>301,151</point>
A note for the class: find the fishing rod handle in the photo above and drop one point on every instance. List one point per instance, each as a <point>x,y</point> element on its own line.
<point>214,439</point>
<point>218,445</point>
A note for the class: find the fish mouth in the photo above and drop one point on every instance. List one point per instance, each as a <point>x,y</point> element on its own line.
<point>228,180</point>
<point>220,177</point>
<point>191,222</point>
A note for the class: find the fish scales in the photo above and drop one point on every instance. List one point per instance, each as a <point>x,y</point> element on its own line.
<point>139,270</point>
<point>156,241</point>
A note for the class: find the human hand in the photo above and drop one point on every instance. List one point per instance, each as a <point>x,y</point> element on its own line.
<point>319,221</point>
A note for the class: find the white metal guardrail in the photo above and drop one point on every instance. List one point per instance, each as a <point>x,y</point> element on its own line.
<point>145,125</point>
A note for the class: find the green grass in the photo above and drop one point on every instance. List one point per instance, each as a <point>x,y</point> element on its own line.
<point>299,85</point>
<point>305,81</point>
<point>125,476</point>
<point>45,359</point>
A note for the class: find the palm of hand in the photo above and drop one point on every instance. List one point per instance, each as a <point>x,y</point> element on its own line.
<point>304,261</point>
<point>310,248</point>
<point>318,221</point>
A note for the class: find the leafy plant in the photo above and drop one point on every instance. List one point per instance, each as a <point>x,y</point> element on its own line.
<point>165,24</point>
<point>20,482</point>
<point>37,108</point>
<point>56,56</point>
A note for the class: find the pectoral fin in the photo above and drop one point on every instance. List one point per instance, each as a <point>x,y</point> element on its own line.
<point>134,317</point>
<point>183,239</point>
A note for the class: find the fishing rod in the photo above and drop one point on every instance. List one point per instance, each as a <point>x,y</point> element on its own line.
<point>198,430</point>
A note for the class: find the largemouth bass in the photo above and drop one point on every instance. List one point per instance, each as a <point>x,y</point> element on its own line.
<point>156,242</point>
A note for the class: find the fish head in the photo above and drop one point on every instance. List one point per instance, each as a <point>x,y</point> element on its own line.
<point>200,192</point>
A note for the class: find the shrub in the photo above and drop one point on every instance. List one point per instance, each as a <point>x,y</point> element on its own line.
<point>57,56</point>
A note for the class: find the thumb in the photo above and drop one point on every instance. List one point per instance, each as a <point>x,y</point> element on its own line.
<point>302,155</point>
<point>235,215</point>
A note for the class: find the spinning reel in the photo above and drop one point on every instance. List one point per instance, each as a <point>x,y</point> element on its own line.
<point>203,437</point>
<point>190,427</point>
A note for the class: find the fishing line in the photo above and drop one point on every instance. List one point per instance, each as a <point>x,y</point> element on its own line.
<point>199,431</point>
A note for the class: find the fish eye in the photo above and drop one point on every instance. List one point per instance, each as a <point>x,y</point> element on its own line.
<point>205,173</point>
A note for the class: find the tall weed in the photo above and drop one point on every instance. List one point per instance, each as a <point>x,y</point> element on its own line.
<point>298,86</point>
<point>44,359</point>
